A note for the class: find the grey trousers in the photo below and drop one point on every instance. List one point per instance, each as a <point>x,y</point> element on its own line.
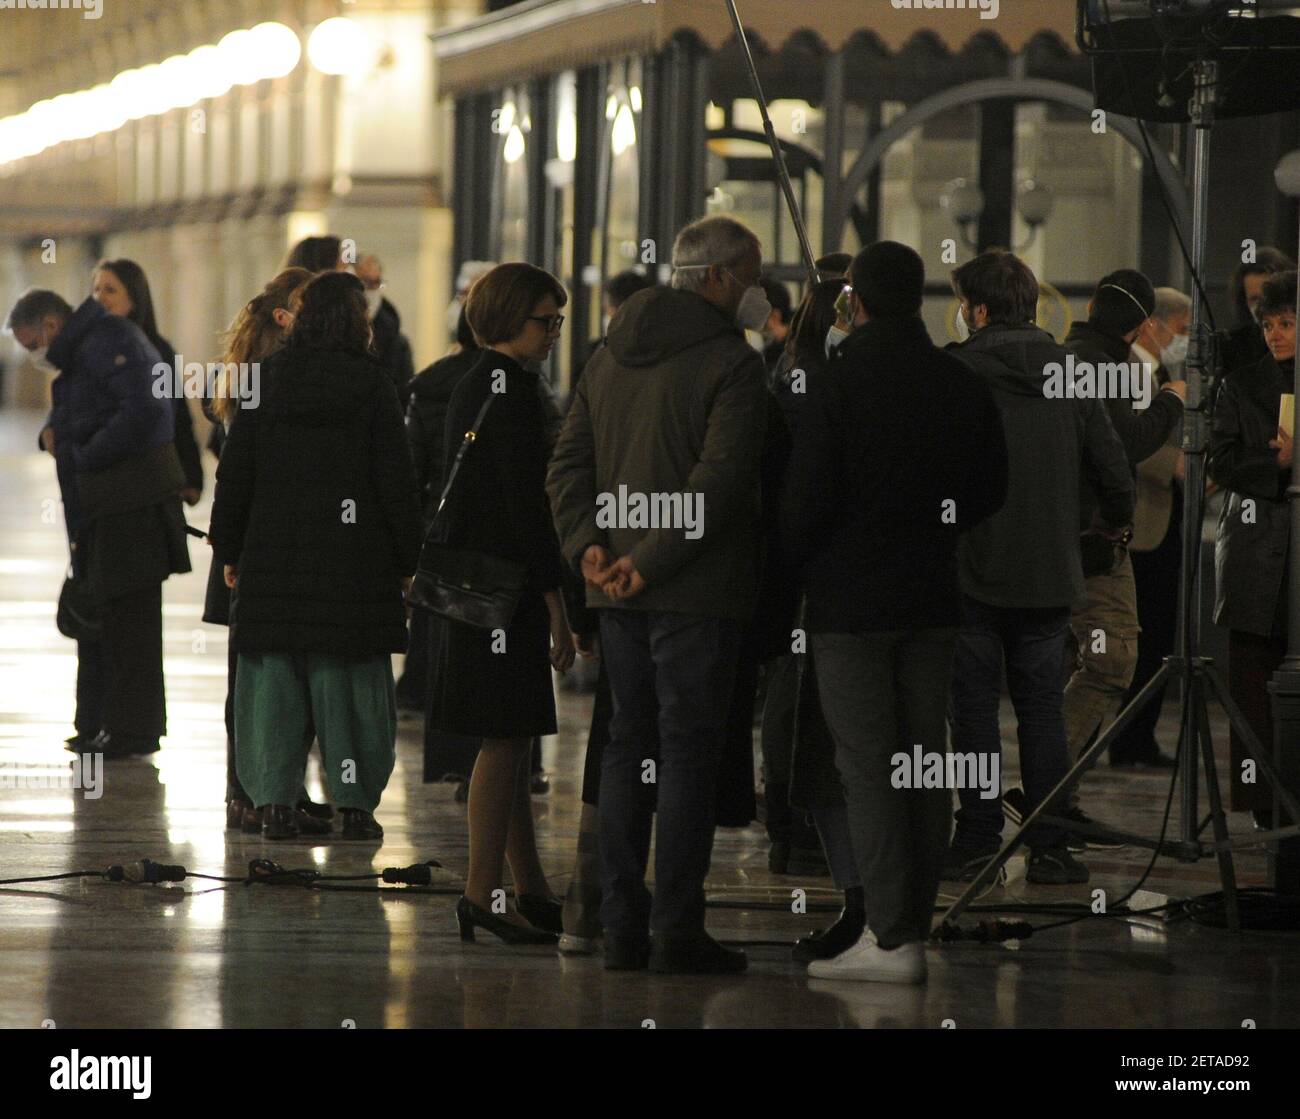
<point>882,694</point>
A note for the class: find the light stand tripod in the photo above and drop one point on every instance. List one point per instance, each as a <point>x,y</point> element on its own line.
<point>1196,673</point>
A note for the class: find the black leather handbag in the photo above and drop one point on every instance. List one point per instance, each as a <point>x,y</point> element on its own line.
<point>78,614</point>
<point>463,585</point>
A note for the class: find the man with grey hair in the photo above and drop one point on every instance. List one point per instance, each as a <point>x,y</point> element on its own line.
<point>671,413</point>
<point>1162,339</point>
<point>1156,549</point>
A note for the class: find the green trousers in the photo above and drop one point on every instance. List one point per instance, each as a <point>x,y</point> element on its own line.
<point>350,702</point>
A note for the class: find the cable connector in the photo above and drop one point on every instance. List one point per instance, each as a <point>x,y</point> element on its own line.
<point>272,873</point>
<point>989,931</point>
<point>147,871</point>
<point>417,874</point>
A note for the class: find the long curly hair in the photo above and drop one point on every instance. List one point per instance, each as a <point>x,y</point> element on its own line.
<point>255,335</point>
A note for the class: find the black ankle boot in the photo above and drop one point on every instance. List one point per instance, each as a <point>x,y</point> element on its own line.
<point>827,943</point>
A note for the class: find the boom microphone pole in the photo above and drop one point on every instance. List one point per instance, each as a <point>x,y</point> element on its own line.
<point>783,175</point>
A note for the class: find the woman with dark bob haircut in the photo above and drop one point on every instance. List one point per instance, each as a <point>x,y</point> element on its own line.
<point>317,523</point>
<point>1251,457</point>
<point>487,684</point>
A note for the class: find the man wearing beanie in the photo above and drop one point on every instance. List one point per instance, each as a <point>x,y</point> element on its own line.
<point>899,451</point>
<point>1106,626</point>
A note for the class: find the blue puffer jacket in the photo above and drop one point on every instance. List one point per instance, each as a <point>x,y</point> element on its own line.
<point>104,409</point>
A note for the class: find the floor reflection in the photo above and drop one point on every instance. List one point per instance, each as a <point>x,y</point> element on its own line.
<point>93,954</point>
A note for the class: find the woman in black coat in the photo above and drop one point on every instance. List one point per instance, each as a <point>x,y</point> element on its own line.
<point>1251,458</point>
<point>121,288</point>
<point>317,522</point>
<point>497,685</point>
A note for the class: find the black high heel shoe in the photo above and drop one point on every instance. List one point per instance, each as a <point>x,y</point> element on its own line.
<point>470,916</point>
<point>541,912</point>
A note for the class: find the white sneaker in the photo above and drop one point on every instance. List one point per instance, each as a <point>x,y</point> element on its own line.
<point>867,962</point>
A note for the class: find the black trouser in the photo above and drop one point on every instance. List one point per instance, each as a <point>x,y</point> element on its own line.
<point>1156,576</point>
<point>233,786</point>
<point>413,686</point>
<point>120,678</point>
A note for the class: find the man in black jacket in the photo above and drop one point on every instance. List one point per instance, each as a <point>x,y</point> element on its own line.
<point>110,431</point>
<point>1021,569</point>
<point>1106,626</point>
<point>898,453</point>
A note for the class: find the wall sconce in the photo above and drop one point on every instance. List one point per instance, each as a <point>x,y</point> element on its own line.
<point>963,202</point>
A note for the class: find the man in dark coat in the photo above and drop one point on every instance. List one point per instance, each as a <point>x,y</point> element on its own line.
<point>671,413</point>
<point>110,431</point>
<point>899,451</point>
<point>1106,626</point>
<point>389,346</point>
<point>1021,569</point>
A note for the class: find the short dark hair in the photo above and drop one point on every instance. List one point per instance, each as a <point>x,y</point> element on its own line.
<point>626,284</point>
<point>33,305</point>
<point>332,314</point>
<point>1123,301</point>
<point>316,254</point>
<point>464,336</point>
<point>1002,282</point>
<point>499,304</point>
<point>1268,261</point>
<point>1279,294</point>
<point>778,295</point>
<point>833,264</point>
<point>889,279</point>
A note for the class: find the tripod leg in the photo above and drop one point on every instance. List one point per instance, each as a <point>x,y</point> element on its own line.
<point>1250,740</point>
<point>1227,871</point>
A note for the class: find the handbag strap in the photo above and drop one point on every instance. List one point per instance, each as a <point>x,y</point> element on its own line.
<point>470,436</point>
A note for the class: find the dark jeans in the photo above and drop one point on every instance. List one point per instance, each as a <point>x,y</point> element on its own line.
<point>120,678</point>
<point>670,675</point>
<point>883,693</point>
<point>1033,644</point>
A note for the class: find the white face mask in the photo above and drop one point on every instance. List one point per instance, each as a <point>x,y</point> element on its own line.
<point>834,337</point>
<point>963,327</point>
<point>754,310</point>
<point>453,317</point>
<point>1175,353</point>
<point>374,297</point>
<point>38,356</point>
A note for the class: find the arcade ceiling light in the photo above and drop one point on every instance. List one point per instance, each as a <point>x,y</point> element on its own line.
<point>269,50</point>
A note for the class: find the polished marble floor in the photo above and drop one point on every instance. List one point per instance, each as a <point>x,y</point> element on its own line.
<point>87,953</point>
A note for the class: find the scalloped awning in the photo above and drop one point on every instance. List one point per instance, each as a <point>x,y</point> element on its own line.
<point>545,36</point>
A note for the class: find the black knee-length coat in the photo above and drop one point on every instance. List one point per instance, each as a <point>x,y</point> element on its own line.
<point>498,505</point>
<point>317,507</point>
